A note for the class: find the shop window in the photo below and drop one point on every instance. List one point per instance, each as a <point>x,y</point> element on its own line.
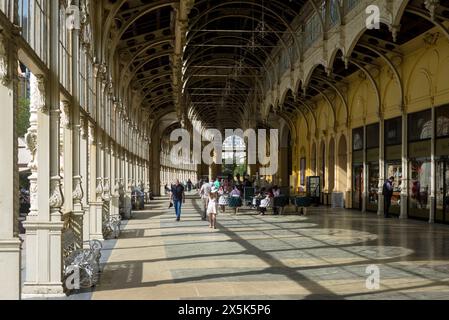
<point>357,139</point>
<point>420,126</point>
<point>419,188</point>
<point>394,169</point>
<point>372,136</point>
<point>442,115</point>
<point>373,186</point>
<point>393,131</point>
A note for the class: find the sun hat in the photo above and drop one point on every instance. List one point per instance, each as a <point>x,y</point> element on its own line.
<point>214,189</point>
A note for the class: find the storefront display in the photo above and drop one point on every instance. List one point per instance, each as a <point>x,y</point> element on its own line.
<point>372,159</point>
<point>419,150</point>
<point>373,188</point>
<point>393,162</point>
<point>394,169</point>
<point>442,165</point>
<point>419,188</point>
<point>357,175</point>
<point>358,138</point>
<point>442,191</point>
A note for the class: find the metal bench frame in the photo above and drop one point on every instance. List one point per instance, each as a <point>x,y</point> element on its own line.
<point>85,261</point>
<point>112,227</point>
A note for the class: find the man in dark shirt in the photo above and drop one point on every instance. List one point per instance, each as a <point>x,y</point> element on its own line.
<point>388,194</point>
<point>178,198</point>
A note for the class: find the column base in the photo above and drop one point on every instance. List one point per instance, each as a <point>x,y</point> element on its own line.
<point>404,208</point>
<point>380,202</point>
<point>127,208</point>
<point>432,210</point>
<point>10,266</point>
<point>42,291</point>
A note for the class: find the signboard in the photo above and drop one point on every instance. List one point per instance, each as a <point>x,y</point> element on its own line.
<point>314,187</point>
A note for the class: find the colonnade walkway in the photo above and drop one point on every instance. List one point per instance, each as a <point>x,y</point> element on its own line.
<point>323,255</point>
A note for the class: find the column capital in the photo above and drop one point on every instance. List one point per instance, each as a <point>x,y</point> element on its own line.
<point>37,92</point>
<point>5,77</point>
<point>92,133</point>
<point>83,126</point>
<point>66,118</point>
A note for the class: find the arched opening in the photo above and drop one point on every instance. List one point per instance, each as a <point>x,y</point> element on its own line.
<point>234,156</point>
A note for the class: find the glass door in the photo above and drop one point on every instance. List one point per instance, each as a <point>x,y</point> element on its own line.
<point>373,187</point>
<point>419,188</point>
<point>357,175</point>
<point>394,169</point>
<point>442,192</point>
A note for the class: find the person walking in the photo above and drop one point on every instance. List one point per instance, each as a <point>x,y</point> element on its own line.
<point>189,185</point>
<point>178,198</point>
<point>387,191</point>
<point>204,193</point>
<point>212,208</point>
<point>276,193</point>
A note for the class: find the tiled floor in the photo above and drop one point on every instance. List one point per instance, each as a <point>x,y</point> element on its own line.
<point>321,256</point>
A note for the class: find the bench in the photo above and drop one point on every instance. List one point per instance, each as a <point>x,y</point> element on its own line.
<point>302,203</point>
<point>235,203</point>
<point>111,227</point>
<point>85,262</point>
<point>280,202</point>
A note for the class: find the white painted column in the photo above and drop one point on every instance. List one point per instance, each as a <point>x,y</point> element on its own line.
<point>128,187</point>
<point>382,178</point>
<point>115,194</point>
<point>404,191</point>
<point>92,178</point>
<point>365,173</point>
<point>84,173</point>
<point>106,152</point>
<point>77,194</point>
<point>349,181</point>
<point>433,177</point>
<point>66,170</point>
<point>44,226</point>
<point>10,257</point>
<point>95,186</point>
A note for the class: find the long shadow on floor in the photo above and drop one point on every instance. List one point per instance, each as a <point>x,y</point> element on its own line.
<point>128,274</point>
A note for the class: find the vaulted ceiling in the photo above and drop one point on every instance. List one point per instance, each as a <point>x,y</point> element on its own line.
<point>228,52</point>
<point>225,57</point>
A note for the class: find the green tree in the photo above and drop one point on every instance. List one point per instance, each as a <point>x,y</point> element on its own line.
<point>23,117</point>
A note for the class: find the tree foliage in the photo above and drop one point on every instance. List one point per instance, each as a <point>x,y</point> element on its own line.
<point>23,117</point>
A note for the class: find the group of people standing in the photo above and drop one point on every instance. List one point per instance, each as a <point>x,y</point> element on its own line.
<point>216,196</point>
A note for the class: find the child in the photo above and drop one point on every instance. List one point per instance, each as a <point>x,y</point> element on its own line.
<point>212,207</point>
